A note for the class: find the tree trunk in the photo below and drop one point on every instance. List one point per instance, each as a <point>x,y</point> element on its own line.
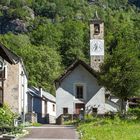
<point>123,106</point>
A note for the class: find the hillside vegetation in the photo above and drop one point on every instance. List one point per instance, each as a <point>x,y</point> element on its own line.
<point>50,34</point>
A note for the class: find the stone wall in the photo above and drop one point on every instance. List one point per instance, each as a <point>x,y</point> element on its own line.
<point>11,87</point>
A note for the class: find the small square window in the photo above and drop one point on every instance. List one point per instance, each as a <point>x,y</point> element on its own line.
<point>65,111</point>
<point>107,96</point>
<point>94,110</point>
<point>79,92</point>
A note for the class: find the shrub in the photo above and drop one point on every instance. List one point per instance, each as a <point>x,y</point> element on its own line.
<point>134,112</point>
<point>10,130</point>
<point>6,116</point>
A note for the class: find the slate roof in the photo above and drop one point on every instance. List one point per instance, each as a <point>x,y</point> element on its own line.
<point>49,96</point>
<point>11,57</point>
<point>71,68</point>
<point>8,55</point>
<point>33,91</point>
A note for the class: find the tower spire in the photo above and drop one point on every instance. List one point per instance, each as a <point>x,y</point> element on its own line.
<point>96,16</point>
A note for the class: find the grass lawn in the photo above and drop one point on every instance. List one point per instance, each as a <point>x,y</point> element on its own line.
<point>109,129</point>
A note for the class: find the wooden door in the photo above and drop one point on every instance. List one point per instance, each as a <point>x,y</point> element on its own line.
<point>78,107</point>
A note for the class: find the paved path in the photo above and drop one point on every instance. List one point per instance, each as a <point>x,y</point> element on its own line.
<point>51,132</point>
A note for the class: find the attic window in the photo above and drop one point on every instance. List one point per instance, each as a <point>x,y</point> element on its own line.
<point>79,92</point>
<point>96,28</point>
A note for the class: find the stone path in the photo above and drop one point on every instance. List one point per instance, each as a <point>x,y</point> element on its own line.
<point>51,132</point>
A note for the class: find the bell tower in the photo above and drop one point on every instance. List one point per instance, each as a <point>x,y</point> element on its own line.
<point>96,42</point>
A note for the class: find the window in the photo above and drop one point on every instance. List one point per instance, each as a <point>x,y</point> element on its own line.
<point>96,28</point>
<point>107,96</point>
<point>94,110</point>
<point>3,74</point>
<point>1,96</point>
<point>53,107</point>
<point>65,111</point>
<point>79,92</point>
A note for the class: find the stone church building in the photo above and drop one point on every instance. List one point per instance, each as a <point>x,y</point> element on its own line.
<point>78,88</point>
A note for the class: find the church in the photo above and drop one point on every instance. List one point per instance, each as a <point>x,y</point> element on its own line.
<point>77,88</point>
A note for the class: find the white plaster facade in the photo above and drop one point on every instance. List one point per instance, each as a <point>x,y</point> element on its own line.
<point>51,108</point>
<point>94,95</point>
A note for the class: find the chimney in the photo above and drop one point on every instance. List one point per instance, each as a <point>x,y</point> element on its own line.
<point>40,91</point>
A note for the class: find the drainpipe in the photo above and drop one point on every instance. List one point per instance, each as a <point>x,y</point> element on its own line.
<point>23,86</point>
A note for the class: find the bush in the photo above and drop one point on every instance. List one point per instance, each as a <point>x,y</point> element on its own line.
<point>10,129</point>
<point>7,121</point>
<point>134,112</point>
<point>6,116</point>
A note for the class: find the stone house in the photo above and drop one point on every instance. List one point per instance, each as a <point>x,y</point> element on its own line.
<point>13,82</point>
<point>41,105</point>
<point>78,89</point>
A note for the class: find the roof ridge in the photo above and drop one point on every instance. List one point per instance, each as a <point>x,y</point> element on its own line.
<point>9,55</point>
<point>71,68</point>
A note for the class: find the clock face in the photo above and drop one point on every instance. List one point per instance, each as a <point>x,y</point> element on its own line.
<point>96,47</point>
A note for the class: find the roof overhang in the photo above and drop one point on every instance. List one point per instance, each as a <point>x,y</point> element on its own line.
<point>71,68</point>
<point>8,55</point>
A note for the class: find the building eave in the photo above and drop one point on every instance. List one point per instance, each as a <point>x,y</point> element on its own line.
<point>71,68</point>
<point>8,55</point>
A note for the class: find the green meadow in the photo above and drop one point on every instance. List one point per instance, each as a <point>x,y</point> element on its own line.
<point>109,129</point>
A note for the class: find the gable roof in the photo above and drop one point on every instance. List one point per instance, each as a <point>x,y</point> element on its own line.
<point>33,91</point>
<point>11,57</point>
<point>48,96</point>
<point>8,55</point>
<point>71,68</point>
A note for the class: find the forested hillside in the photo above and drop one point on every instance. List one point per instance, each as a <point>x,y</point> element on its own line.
<point>50,34</point>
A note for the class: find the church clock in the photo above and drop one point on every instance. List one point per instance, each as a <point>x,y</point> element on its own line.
<point>96,47</point>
